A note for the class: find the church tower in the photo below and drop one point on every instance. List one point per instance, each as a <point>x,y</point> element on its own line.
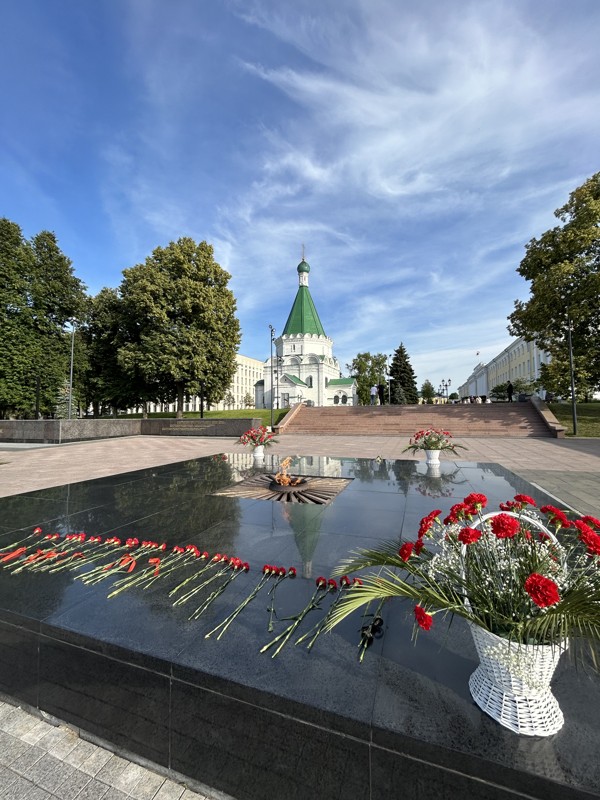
<point>304,368</point>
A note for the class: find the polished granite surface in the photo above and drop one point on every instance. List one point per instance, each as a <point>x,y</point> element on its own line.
<point>408,701</point>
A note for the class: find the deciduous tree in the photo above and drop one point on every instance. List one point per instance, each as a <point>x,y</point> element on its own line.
<point>180,320</point>
<point>563,265</point>
<point>368,370</point>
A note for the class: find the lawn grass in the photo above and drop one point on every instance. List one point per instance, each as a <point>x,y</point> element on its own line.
<point>588,417</point>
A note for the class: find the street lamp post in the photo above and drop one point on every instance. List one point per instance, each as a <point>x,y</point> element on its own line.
<point>272,329</point>
<point>446,387</point>
<point>71,369</point>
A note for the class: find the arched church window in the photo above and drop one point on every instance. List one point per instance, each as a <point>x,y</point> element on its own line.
<point>309,382</point>
<point>336,400</point>
<point>344,399</point>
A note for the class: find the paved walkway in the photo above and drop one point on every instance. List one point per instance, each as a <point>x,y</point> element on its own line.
<point>40,759</point>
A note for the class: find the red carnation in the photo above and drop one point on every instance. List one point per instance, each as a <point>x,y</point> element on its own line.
<point>504,527</point>
<point>510,505</point>
<point>469,535</point>
<point>424,620</point>
<point>292,572</point>
<point>321,582</point>
<point>331,585</point>
<point>595,523</point>
<point>345,581</point>
<point>588,536</point>
<point>405,551</point>
<point>524,500</point>
<point>418,546</point>
<point>542,590</point>
<point>556,516</point>
<point>474,499</point>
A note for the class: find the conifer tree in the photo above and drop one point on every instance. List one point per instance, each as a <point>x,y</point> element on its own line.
<point>404,383</point>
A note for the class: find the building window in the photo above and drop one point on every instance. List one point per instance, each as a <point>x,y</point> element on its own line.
<point>309,382</point>
<point>344,399</point>
<point>336,400</point>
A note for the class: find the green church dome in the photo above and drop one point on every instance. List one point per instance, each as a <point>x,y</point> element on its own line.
<point>303,266</point>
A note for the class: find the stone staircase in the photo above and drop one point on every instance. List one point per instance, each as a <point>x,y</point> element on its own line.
<point>520,420</point>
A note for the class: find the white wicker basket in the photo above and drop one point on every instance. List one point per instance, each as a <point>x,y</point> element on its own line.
<point>512,683</point>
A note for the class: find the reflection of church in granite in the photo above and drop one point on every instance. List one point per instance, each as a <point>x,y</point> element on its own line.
<point>305,521</point>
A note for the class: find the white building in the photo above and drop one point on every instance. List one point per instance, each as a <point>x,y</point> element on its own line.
<point>243,386</point>
<point>520,360</point>
<point>303,367</point>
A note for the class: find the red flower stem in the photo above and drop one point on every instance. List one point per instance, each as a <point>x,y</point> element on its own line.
<point>185,597</point>
<point>20,542</point>
<point>284,636</point>
<point>318,627</point>
<point>228,620</point>
<point>217,593</point>
<point>179,586</point>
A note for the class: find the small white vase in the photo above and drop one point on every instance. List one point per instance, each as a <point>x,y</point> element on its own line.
<point>259,452</point>
<point>434,470</point>
<point>512,683</point>
<point>432,458</point>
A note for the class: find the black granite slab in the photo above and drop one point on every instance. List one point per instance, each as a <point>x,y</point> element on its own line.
<point>136,670</point>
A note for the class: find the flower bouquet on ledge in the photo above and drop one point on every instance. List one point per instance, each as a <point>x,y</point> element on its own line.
<point>529,586</point>
<point>433,441</point>
<point>257,437</point>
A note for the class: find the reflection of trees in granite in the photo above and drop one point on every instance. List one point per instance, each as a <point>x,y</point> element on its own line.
<point>305,521</point>
<point>368,470</point>
<point>404,472</point>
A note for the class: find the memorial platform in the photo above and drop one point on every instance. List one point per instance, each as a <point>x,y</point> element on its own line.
<point>135,671</point>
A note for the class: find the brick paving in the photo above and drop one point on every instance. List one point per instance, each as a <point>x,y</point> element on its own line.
<point>42,759</point>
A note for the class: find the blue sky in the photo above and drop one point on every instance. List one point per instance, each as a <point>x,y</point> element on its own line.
<point>413,148</point>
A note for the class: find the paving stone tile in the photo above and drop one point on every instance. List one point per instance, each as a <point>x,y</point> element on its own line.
<point>7,776</point>
<point>49,772</point>
<point>189,795</point>
<point>37,793</point>
<point>96,761</point>
<point>112,770</point>
<point>129,778</point>
<point>18,723</point>
<point>81,753</point>
<point>56,738</point>
<point>169,791</point>
<point>17,790</point>
<point>39,730</point>
<point>148,786</point>
<point>94,790</point>
<point>116,794</point>
<point>12,748</point>
<point>27,759</point>
<point>70,789</point>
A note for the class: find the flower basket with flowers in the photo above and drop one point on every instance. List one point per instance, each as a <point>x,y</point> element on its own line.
<point>432,439</point>
<point>257,437</point>
<point>529,585</point>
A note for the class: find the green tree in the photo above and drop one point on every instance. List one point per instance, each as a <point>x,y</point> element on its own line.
<point>563,266</point>
<point>248,400</point>
<point>555,377</point>
<point>180,324</point>
<point>369,371</point>
<point>500,391</point>
<point>39,297</point>
<point>427,391</point>
<point>404,383</point>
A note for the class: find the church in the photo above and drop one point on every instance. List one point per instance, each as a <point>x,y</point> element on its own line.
<point>302,368</point>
